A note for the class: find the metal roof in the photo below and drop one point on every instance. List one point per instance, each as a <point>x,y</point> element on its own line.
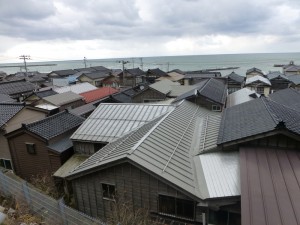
<point>55,125</point>
<point>165,146</point>
<point>8,111</point>
<point>257,78</point>
<point>61,145</point>
<point>295,79</point>
<point>81,110</point>
<point>164,86</point>
<point>110,121</point>
<point>270,189</point>
<point>76,88</point>
<point>241,96</point>
<point>219,173</point>
<point>181,89</point>
<point>256,117</point>
<point>63,98</point>
<point>97,94</point>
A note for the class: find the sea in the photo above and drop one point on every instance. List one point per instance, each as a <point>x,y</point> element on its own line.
<point>262,61</point>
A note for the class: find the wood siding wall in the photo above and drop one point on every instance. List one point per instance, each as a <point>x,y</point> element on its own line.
<point>71,105</point>
<point>149,94</point>
<point>85,148</point>
<point>133,186</point>
<point>201,101</point>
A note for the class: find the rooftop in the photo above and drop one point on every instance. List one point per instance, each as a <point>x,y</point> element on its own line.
<point>8,111</point>
<point>63,98</point>
<point>76,88</point>
<point>16,87</point>
<point>97,94</point>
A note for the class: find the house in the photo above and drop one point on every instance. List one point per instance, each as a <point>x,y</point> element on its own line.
<point>158,167</point>
<point>254,72</point>
<point>18,89</point>
<point>265,134</point>
<point>42,146</point>
<point>291,69</point>
<point>241,96</point>
<point>132,77</point>
<point>235,82</point>
<point>36,96</point>
<point>155,92</point>
<point>259,84</point>
<point>126,94</point>
<point>288,97</point>
<point>66,100</point>
<point>172,76</point>
<point>295,81</point>
<point>94,78</point>
<point>12,117</point>
<point>194,77</point>
<point>97,94</point>
<point>209,93</point>
<point>76,88</point>
<point>278,81</point>
<point>110,121</point>
<point>61,73</point>
<point>153,74</point>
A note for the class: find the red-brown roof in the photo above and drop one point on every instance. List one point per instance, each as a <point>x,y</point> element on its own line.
<point>270,186</point>
<point>97,94</point>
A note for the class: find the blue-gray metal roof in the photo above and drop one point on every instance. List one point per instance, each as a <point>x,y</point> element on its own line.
<point>111,121</point>
<point>165,146</point>
<point>55,125</point>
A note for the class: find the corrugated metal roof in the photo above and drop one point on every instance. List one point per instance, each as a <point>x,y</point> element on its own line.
<point>221,172</point>
<point>270,189</point>
<point>257,78</point>
<point>76,88</point>
<point>165,146</point>
<point>63,98</point>
<point>70,165</point>
<point>111,121</point>
<point>164,86</point>
<point>241,96</point>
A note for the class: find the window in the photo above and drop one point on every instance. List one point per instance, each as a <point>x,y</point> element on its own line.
<point>216,108</point>
<point>108,191</point>
<point>5,163</point>
<point>31,148</point>
<point>260,90</point>
<point>172,206</point>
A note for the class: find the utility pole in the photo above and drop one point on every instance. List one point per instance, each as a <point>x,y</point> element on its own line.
<point>84,61</point>
<point>123,68</point>
<point>24,57</point>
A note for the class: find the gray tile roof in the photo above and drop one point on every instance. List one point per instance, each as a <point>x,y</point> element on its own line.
<point>237,78</point>
<point>9,110</point>
<point>295,79</point>
<point>81,110</point>
<point>254,69</point>
<point>110,121</point>
<point>165,146</point>
<point>256,117</point>
<point>288,97</point>
<point>64,73</point>
<point>61,145</point>
<point>157,72</point>
<point>100,68</point>
<point>16,87</point>
<point>276,74</point>
<point>55,125</point>
<point>135,72</point>
<point>97,74</point>
<point>45,93</point>
<point>63,98</point>
<point>213,89</point>
<point>88,69</point>
<point>6,99</point>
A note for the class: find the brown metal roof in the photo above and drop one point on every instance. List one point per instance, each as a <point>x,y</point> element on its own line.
<point>270,186</point>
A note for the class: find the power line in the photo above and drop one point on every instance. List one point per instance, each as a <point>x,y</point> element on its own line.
<point>24,57</point>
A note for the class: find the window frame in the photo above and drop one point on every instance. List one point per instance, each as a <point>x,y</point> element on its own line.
<point>111,191</point>
<point>218,108</point>
<point>31,149</point>
<point>3,164</point>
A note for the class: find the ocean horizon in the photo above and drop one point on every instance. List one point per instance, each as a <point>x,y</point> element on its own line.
<point>263,61</point>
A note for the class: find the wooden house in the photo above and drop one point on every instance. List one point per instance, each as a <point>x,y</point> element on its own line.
<point>235,82</point>
<point>132,77</point>
<point>295,81</point>
<point>155,92</point>
<point>153,74</point>
<point>254,72</point>
<point>95,78</point>
<point>259,84</point>
<point>42,146</point>
<point>12,117</point>
<point>163,177</point>
<point>291,69</point>
<point>61,73</point>
<point>194,77</point>
<point>36,96</point>
<point>209,93</point>
<point>278,81</point>
<point>172,76</point>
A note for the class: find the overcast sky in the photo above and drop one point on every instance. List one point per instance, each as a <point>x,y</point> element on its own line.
<point>73,29</point>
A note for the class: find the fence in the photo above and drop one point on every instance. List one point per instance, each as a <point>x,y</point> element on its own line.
<point>52,211</point>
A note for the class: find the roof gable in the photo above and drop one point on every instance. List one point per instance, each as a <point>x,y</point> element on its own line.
<point>55,125</point>
<point>257,79</point>
<point>8,111</point>
<point>235,77</point>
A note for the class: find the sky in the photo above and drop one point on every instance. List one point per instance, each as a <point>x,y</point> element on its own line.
<point>96,29</point>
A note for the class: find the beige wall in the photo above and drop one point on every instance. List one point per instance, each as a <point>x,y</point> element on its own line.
<point>24,116</point>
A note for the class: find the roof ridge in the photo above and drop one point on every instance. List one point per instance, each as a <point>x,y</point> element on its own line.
<point>207,81</point>
<point>268,108</point>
